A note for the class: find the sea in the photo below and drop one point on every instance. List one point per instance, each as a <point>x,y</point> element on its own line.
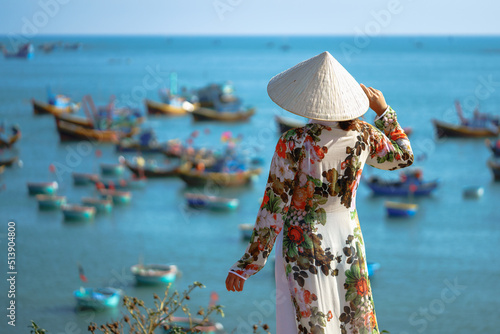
<point>439,270</point>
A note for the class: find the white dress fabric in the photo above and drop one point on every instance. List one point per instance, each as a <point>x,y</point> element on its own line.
<point>309,211</point>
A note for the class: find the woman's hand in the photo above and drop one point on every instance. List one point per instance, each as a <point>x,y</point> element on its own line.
<point>234,282</point>
<point>376,98</point>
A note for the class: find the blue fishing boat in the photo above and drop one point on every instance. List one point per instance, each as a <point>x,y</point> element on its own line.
<point>112,169</point>
<point>97,298</point>
<point>200,201</point>
<point>118,197</point>
<point>191,325</point>
<point>46,188</point>
<point>154,273</point>
<point>101,205</point>
<point>25,51</point>
<point>73,212</point>
<point>411,183</point>
<point>373,267</point>
<point>82,179</point>
<point>473,192</point>
<point>397,209</point>
<point>50,202</point>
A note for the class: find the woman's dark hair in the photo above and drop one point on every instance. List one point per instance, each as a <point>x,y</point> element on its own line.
<point>348,125</point>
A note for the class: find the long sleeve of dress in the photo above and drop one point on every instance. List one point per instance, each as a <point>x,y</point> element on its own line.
<point>389,146</point>
<point>275,203</point>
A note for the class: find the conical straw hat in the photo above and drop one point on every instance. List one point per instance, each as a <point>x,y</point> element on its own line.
<point>319,88</point>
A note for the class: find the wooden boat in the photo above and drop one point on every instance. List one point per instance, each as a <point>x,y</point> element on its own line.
<point>398,209</point>
<point>191,325</point>
<point>152,171</point>
<point>101,205</point>
<point>72,132</point>
<point>118,197</point>
<point>194,178</point>
<point>205,114</point>
<point>200,201</point>
<point>450,130</point>
<point>8,162</point>
<point>78,212</point>
<point>494,147</point>
<point>50,202</point>
<point>154,273</point>
<point>84,122</point>
<point>97,298</point>
<point>16,135</point>
<point>45,188</point>
<point>473,192</point>
<point>164,109</point>
<point>411,183</point>
<point>495,169</point>
<point>373,267</point>
<point>82,179</point>
<point>25,51</point>
<point>287,123</point>
<point>112,169</point>
<point>246,231</point>
<point>41,108</point>
<point>130,146</point>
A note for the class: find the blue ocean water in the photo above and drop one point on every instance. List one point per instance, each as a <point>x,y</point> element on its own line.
<point>439,270</point>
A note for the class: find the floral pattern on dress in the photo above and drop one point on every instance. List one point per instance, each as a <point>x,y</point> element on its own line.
<point>302,190</point>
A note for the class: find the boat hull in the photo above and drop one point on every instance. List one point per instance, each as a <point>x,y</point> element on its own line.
<point>451,130</point>
<point>195,179</point>
<point>112,169</point>
<point>49,202</point>
<point>83,179</point>
<point>205,114</point>
<point>49,188</point>
<point>40,108</point>
<point>211,202</point>
<point>396,209</point>
<point>118,197</point>
<point>100,205</point>
<point>399,189</point>
<point>495,169</point>
<point>150,172</point>
<point>97,298</point>
<point>158,108</point>
<point>78,213</point>
<point>154,274</point>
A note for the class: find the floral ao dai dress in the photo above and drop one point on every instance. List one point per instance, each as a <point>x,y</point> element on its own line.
<point>309,210</point>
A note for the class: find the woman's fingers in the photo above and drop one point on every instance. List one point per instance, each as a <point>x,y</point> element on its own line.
<point>234,283</point>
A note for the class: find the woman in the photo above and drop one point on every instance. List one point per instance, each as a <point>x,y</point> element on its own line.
<point>309,203</point>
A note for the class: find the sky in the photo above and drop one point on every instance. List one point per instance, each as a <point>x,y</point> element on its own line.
<point>249,17</point>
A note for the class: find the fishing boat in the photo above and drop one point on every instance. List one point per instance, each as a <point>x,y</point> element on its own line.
<point>25,51</point>
<point>72,132</point>
<point>246,231</point>
<point>495,169</point>
<point>373,267</point>
<point>200,201</point>
<point>45,188</point>
<point>164,109</point>
<point>152,170</point>
<point>112,169</point>
<point>50,202</point>
<point>8,162</point>
<point>195,178</point>
<point>473,192</point>
<point>82,179</point>
<point>206,114</point>
<point>129,145</point>
<point>97,298</point>
<point>118,197</point>
<point>101,205</point>
<point>411,183</point>
<point>10,141</point>
<point>191,325</point>
<point>398,209</point>
<point>287,123</point>
<point>451,130</point>
<point>78,212</point>
<point>154,273</point>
